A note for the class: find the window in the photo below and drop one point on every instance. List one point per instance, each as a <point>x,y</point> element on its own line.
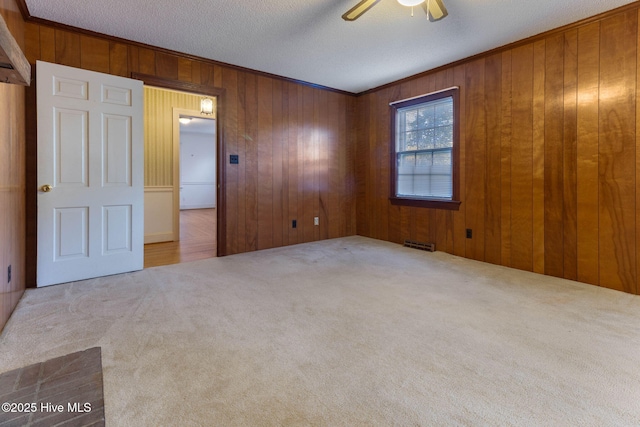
<point>424,151</point>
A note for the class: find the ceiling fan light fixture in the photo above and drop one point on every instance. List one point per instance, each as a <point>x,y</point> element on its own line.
<point>410,3</point>
<point>434,9</point>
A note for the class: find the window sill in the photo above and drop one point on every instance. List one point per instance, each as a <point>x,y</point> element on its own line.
<point>451,205</point>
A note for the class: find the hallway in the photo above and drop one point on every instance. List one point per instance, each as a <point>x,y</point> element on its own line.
<point>197,240</point>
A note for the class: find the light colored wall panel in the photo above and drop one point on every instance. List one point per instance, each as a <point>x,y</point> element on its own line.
<point>158,214</point>
<point>197,196</point>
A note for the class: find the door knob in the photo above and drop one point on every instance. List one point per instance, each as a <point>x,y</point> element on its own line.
<point>46,188</point>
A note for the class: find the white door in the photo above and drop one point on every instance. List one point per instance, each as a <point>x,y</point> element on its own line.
<point>90,174</point>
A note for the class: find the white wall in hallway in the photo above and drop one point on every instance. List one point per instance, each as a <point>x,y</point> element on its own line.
<point>197,169</point>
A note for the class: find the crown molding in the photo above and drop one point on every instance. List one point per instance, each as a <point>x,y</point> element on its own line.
<point>24,10</point>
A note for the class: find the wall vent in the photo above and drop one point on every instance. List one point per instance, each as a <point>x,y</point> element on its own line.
<point>431,247</point>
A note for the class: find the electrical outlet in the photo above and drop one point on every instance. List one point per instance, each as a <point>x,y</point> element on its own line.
<point>294,223</point>
<point>9,274</point>
<point>469,233</point>
<point>316,220</point>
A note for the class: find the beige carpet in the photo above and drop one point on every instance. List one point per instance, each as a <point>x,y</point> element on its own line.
<point>345,332</point>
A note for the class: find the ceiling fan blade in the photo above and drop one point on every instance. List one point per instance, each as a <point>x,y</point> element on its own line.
<point>357,10</point>
<point>434,9</point>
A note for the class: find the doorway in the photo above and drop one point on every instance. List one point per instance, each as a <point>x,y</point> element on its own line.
<point>182,178</point>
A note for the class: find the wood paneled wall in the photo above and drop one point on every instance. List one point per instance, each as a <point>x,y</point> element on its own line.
<point>297,161</point>
<point>12,178</point>
<point>295,142</point>
<point>550,172</point>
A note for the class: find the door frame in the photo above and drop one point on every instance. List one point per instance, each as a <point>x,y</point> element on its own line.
<point>219,93</point>
<point>177,112</point>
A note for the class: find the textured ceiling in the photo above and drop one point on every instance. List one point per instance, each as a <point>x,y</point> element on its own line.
<point>308,40</point>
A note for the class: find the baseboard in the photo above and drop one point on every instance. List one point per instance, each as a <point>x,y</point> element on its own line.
<point>205,206</point>
<point>158,238</point>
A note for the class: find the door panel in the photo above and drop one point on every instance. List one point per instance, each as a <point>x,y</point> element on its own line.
<point>117,229</point>
<point>116,95</point>
<point>90,151</point>
<point>72,224</point>
<point>68,88</point>
<point>71,147</point>
<point>117,150</point>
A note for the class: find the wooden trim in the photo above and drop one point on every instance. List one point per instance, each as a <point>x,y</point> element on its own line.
<point>221,165</point>
<point>449,205</point>
<point>419,99</point>
<point>31,181</point>
<point>194,88</point>
<point>221,212</point>
<point>24,10</point>
<point>500,49</point>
